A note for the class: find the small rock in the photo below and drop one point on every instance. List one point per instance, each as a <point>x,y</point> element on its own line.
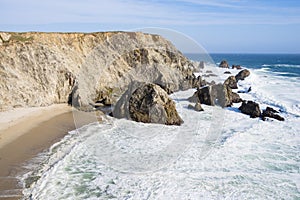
<point>270,112</point>
<point>198,107</point>
<point>250,108</point>
<point>5,37</point>
<point>236,67</point>
<point>227,72</point>
<point>231,82</point>
<point>224,64</point>
<point>236,98</point>
<point>242,75</point>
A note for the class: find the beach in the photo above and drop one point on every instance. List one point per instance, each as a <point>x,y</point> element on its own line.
<point>24,134</point>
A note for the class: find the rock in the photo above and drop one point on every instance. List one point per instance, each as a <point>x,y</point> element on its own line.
<point>224,64</point>
<point>270,112</point>
<point>148,103</point>
<point>197,107</point>
<point>213,95</point>
<point>250,108</point>
<point>104,64</point>
<point>201,65</point>
<point>231,82</point>
<point>227,72</point>
<point>198,82</point>
<point>236,67</point>
<point>242,75</point>
<point>5,36</point>
<point>235,98</point>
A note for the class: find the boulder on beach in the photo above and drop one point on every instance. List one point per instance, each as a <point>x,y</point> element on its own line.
<point>224,64</point>
<point>271,113</point>
<point>250,108</point>
<point>218,94</point>
<point>231,82</point>
<point>242,75</point>
<point>236,67</point>
<point>148,103</point>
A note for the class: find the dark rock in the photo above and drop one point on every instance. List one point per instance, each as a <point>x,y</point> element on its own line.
<point>224,64</point>
<point>227,72</point>
<point>250,108</point>
<point>236,67</point>
<point>208,72</point>
<point>148,103</point>
<point>235,98</point>
<point>201,65</point>
<point>213,95</point>
<point>270,112</point>
<point>198,82</point>
<point>242,75</point>
<point>231,82</point>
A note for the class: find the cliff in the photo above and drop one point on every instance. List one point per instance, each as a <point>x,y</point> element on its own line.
<point>39,69</point>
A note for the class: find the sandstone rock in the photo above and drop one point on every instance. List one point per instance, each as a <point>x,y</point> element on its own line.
<point>242,75</point>
<point>231,82</point>
<point>5,36</point>
<point>104,64</point>
<point>148,103</point>
<point>224,64</point>
<point>271,113</point>
<point>250,108</point>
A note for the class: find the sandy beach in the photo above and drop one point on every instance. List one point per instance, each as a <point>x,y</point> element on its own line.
<point>26,132</point>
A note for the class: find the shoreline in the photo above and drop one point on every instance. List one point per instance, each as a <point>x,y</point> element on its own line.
<point>28,133</point>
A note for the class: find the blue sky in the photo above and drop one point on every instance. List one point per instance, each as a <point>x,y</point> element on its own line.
<point>228,26</point>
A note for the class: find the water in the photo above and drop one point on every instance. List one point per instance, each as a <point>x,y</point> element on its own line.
<point>215,154</point>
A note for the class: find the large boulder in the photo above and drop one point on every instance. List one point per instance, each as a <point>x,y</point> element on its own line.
<point>250,108</point>
<point>242,75</point>
<point>271,113</point>
<point>218,94</point>
<point>231,82</point>
<point>224,64</point>
<point>148,103</point>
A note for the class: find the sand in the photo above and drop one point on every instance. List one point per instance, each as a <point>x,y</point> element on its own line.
<point>26,132</point>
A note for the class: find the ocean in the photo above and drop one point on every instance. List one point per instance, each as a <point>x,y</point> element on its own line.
<point>215,154</point>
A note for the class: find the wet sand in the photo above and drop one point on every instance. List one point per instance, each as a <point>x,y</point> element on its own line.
<point>35,134</point>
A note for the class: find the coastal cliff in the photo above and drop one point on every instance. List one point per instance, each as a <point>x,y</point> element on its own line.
<point>40,69</point>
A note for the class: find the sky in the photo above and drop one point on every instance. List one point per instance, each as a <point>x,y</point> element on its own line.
<point>219,26</point>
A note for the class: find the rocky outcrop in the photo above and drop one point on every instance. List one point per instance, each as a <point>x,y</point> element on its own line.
<point>224,64</point>
<point>271,113</point>
<point>148,103</point>
<point>231,82</point>
<point>242,75</point>
<point>250,108</point>
<point>39,69</point>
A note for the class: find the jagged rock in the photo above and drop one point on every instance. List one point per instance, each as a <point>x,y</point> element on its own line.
<point>236,67</point>
<point>224,64</point>
<point>270,112</point>
<point>33,66</point>
<point>197,107</point>
<point>5,36</point>
<point>235,98</point>
<point>242,75</point>
<point>148,103</point>
<point>250,108</point>
<point>231,82</point>
<point>213,95</point>
<point>227,72</point>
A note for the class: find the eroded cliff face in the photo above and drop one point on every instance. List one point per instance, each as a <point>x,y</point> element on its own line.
<point>39,69</point>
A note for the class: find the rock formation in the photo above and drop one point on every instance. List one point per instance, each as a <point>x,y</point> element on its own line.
<point>224,64</point>
<point>271,113</point>
<point>39,69</point>
<point>250,108</point>
<point>148,103</point>
<point>231,82</point>
<point>242,75</point>
<point>236,67</point>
